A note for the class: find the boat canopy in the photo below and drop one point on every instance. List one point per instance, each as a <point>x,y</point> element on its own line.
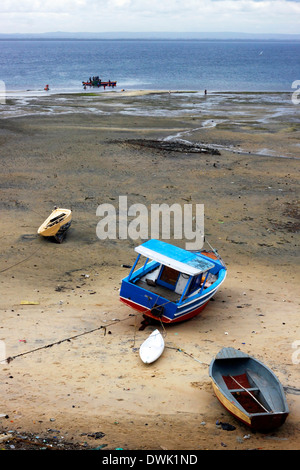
<point>177,258</point>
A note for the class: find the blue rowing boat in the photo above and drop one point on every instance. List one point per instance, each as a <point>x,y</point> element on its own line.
<point>172,284</point>
<point>248,389</point>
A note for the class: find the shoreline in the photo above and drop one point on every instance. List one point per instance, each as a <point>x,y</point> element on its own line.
<point>95,383</point>
<point>93,91</point>
<point>210,111</point>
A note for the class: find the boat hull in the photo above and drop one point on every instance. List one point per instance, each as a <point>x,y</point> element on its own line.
<point>98,84</point>
<point>249,390</point>
<point>169,294</point>
<point>152,348</point>
<point>175,286</point>
<point>163,318</point>
<point>57,224</point>
<point>263,423</point>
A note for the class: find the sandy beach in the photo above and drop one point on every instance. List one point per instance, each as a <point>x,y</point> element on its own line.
<point>75,377</point>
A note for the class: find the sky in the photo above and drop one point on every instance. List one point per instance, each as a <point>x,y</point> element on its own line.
<point>97,16</point>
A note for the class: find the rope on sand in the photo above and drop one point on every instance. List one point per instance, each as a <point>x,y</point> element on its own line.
<point>102,327</point>
<point>187,354</point>
<point>19,262</point>
<point>9,359</point>
<point>25,259</point>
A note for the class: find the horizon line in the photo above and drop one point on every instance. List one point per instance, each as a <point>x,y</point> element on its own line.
<point>236,34</point>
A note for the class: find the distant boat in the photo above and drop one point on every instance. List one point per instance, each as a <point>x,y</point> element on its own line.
<point>248,389</point>
<point>173,284</point>
<point>152,348</point>
<point>98,83</point>
<point>56,224</point>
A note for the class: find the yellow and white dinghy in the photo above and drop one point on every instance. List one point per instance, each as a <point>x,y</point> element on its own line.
<point>56,224</point>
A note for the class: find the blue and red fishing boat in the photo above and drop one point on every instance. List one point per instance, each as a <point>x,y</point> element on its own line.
<point>172,284</point>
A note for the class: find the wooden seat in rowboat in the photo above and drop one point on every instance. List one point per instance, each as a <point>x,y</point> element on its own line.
<point>246,394</point>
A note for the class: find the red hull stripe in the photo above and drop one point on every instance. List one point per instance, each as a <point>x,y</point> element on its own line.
<point>141,308</point>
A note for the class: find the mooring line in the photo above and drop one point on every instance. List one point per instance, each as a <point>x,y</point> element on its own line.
<point>187,354</point>
<point>22,261</point>
<point>104,327</point>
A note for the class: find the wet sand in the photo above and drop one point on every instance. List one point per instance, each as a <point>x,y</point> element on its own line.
<point>91,380</point>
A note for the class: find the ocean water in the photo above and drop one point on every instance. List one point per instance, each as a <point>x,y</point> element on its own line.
<point>28,65</point>
<point>243,78</point>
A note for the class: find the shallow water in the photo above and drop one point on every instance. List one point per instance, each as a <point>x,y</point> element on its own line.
<point>150,64</point>
<point>259,113</point>
<point>175,104</point>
